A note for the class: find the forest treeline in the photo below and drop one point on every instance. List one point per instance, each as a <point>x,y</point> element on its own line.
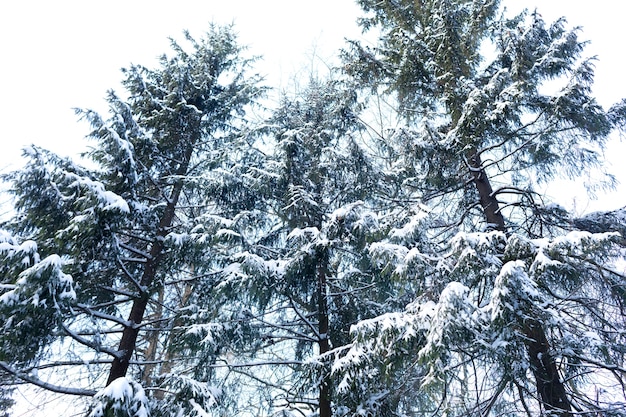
<point>378,245</point>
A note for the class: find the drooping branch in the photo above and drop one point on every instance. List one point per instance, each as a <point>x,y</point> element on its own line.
<point>92,345</point>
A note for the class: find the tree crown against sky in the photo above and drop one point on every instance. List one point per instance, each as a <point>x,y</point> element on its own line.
<point>132,233</point>
<point>482,132</point>
<point>328,272</point>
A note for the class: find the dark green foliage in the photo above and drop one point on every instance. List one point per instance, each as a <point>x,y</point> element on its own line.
<point>508,114</point>
<point>122,398</point>
<point>500,323</point>
<point>6,400</point>
<point>35,297</point>
<point>305,276</point>
<point>426,356</point>
<point>204,265</point>
<point>135,232</point>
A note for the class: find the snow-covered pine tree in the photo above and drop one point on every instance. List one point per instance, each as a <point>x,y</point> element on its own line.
<point>506,322</point>
<point>306,279</point>
<point>99,261</point>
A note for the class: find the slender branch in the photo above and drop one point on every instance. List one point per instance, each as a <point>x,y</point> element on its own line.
<point>134,260</point>
<point>522,399</point>
<point>83,341</point>
<point>288,330</point>
<point>136,251</point>
<point>45,385</point>
<point>130,276</point>
<point>486,410</point>
<point>107,304</point>
<point>89,310</point>
<point>599,364</point>
<point>302,317</point>
<point>130,296</point>
<point>516,133</point>
<point>86,363</point>
<point>255,364</point>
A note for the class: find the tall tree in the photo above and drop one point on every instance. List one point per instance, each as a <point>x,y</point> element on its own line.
<point>482,132</point>
<point>305,279</point>
<point>108,254</point>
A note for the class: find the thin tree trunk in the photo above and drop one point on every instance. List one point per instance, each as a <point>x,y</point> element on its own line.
<point>550,388</point>
<point>324,344</point>
<point>166,366</point>
<point>153,344</point>
<point>128,342</point>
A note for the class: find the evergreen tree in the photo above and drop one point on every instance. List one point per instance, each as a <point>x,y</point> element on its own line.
<point>498,309</point>
<point>306,279</point>
<point>99,261</point>
<point>186,269</point>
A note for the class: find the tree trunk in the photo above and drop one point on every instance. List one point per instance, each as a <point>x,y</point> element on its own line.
<point>128,342</point>
<point>324,344</point>
<point>488,201</point>
<point>167,361</point>
<point>150,353</point>
<point>550,388</point>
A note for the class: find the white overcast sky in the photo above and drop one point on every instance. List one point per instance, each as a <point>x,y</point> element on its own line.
<point>58,55</point>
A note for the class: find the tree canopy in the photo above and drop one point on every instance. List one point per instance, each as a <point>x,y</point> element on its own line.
<point>200,262</point>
